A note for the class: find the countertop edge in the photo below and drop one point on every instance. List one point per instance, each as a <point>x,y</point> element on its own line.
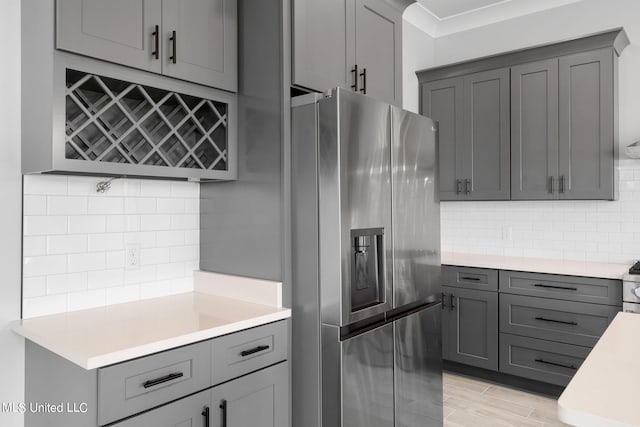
<point>107,359</point>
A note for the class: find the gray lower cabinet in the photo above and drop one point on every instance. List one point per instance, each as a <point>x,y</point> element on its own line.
<point>473,115</point>
<point>193,40</point>
<point>355,44</point>
<point>470,327</point>
<point>587,133</point>
<point>257,399</point>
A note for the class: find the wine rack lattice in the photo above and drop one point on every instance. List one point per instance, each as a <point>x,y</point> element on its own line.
<point>110,120</point>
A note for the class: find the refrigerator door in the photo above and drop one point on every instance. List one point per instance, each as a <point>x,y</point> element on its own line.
<point>418,368</point>
<point>416,208</point>
<point>354,202</point>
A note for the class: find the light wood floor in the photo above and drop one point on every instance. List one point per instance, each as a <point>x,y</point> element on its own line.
<point>474,403</point>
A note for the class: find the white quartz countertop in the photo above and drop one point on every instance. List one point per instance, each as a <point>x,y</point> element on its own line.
<point>537,265</point>
<point>604,391</point>
<point>102,336</point>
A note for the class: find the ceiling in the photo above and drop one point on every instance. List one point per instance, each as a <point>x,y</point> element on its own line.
<point>444,9</point>
<point>443,17</point>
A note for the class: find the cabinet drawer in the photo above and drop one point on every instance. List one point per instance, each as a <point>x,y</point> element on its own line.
<point>247,351</point>
<point>556,320</point>
<point>583,289</point>
<point>470,277</point>
<point>540,360</point>
<point>137,385</point>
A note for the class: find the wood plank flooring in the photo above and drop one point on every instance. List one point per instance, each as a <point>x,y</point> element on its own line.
<point>471,402</point>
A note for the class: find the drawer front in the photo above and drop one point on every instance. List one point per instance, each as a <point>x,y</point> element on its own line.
<point>469,277</point>
<point>137,385</point>
<point>238,354</point>
<point>181,413</point>
<point>540,360</point>
<point>582,289</point>
<point>576,323</point>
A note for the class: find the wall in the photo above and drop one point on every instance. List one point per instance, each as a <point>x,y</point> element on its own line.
<point>417,54</point>
<point>11,345</point>
<point>592,231</point>
<point>75,240</point>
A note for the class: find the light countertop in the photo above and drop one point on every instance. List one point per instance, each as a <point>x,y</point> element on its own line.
<point>98,337</point>
<point>537,265</point>
<point>604,391</point>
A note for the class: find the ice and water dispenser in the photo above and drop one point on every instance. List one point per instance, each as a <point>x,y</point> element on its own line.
<point>367,268</point>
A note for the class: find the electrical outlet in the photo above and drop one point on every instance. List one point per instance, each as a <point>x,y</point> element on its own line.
<point>132,256</point>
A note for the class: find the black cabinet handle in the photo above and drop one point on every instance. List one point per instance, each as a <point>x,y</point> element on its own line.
<point>544,319</point>
<point>467,186</point>
<point>354,71</point>
<point>259,348</point>
<point>443,296</point>
<point>363,74</point>
<point>556,364</point>
<point>223,408</point>
<point>475,279</point>
<point>565,288</point>
<point>156,42</point>
<point>551,180</point>
<point>452,305</point>
<point>561,189</point>
<point>458,186</point>
<point>166,378</point>
<point>205,414</point>
<point>173,40</point>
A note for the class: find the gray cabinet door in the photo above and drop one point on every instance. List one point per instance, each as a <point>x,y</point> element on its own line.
<point>189,411</point>
<point>206,41</point>
<point>586,156</point>
<point>486,151</point>
<point>442,101</point>
<point>378,35</point>
<point>120,31</point>
<point>470,327</point>
<point>534,130</point>
<point>257,399</point>
<point>323,44</point>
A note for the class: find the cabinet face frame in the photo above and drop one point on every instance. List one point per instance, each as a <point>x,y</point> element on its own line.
<point>47,152</point>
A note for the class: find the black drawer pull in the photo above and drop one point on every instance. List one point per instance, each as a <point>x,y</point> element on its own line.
<point>223,408</point>
<point>161,380</point>
<point>475,279</point>
<point>544,319</point>
<point>540,285</point>
<point>259,348</point>
<point>556,364</point>
<point>206,415</point>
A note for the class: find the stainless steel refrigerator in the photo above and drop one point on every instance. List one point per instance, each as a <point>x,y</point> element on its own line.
<point>366,264</point>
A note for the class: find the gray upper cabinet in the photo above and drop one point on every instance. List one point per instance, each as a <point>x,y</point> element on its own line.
<point>537,124</point>
<point>205,47</point>
<point>379,50</point>
<point>587,140</point>
<point>473,123</point>
<point>534,130</point>
<point>193,40</point>
<point>323,43</point>
<point>442,101</point>
<point>121,31</point>
<point>355,44</point>
<point>486,151</point>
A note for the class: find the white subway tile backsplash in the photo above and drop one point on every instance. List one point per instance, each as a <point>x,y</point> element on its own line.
<point>66,244</point>
<point>66,283</point>
<point>75,240</point>
<point>593,231</point>
<point>87,262</point>
<point>44,225</point>
<point>87,224</point>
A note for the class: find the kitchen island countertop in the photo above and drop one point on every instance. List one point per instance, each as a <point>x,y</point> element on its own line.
<point>604,391</point>
<point>102,336</point>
